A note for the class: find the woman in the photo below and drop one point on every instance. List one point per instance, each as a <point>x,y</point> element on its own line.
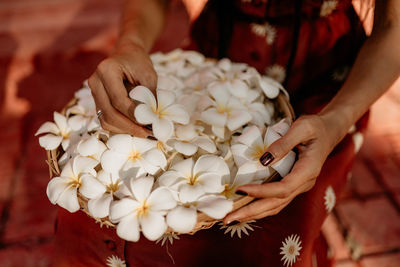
<point>308,45</point>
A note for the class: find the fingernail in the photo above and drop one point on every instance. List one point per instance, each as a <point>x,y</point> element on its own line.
<point>148,127</point>
<point>151,137</point>
<point>232,223</point>
<point>240,192</point>
<point>266,158</point>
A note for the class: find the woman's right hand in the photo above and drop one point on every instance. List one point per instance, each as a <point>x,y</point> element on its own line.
<point>131,64</point>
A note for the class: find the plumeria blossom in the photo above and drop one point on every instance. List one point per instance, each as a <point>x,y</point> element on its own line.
<point>101,190</point>
<point>269,86</point>
<point>58,132</point>
<point>76,173</point>
<point>226,110</point>
<point>129,154</point>
<point>143,210</point>
<point>194,179</point>
<point>84,110</point>
<point>231,181</point>
<point>91,147</point>
<point>188,140</point>
<point>251,147</point>
<point>161,114</point>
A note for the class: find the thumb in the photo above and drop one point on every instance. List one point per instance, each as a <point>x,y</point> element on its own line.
<point>281,146</point>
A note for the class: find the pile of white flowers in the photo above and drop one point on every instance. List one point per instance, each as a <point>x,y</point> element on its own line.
<point>212,120</point>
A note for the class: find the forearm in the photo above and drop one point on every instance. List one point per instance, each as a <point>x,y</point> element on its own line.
<point>141,24</point>
<point>376,68</point>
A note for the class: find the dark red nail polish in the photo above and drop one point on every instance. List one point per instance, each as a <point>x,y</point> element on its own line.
<point>233,223</point>
<point>266,158</point>
<point>240,192</point>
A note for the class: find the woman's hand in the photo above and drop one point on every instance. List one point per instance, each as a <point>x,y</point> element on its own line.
<point>129,64</point>
<point>315,137</point>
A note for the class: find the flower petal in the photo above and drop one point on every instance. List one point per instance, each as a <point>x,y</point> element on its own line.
<point>128,228</point>
<point>121,208</point>
<point>90,146</point>
<point>144,95</point>
<point>184,167</point>
<point>161,199</point>
<point>282,127</point>
<point>153,225</point>
<point>251,137</point>
<point>211,182</point>
<point>176,113</point>
<point>84,165</point>
<point>100,207</point>
<point>121,143</point>
<point>141,187</point>
<point>77,122</point>
<point>270,89</point>
<point>155,159</point>
<point>244,175</point>
<point>215,206</point>
<point>238,118</point>
<point>91,187</point>
<point>284,166</point>
<point>168,178</point>
<point>55,188</point>
<point>164,98</point>
<point>186,132</point>
<point>189,193</point>
<point>212,117</point>
<point>185,148</point>
<point>181,219</point>
<point>271,136</point>
<point>48,127</point>
<point>143,144</point>
<point>69,199</point>
<point>50,141</point>
<point>238,88</point>
<point>240,154</point>
<point>144,114</point>
<point>61,121</point>
<point>205,143</point>
<point>163,129</point>
<point>112,161</point>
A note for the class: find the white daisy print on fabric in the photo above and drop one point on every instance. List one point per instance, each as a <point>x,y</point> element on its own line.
<point>290,250</point>
<point>264,30</point>
<point>330,199</point>
<point>239,228</point>
<point>115,261</point>
<point>328,7</point>
<point>276,72</point>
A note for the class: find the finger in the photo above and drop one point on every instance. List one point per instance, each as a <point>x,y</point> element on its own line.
<point>304,170</point>
<point>253,209</point>
<point>267,213</point>
<point>300,132</point>
<point>112,78</point>
<point>111,119</point>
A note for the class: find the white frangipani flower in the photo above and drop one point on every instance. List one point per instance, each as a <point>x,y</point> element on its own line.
<point>226,110</point>
<point>244,175</point>
<point>330,199</point>
<point>144,210</point>
<point>76,173</point>
<point>290,250</point>
<point>58,133</point>
<point>183,217</point>
<point>251,147</point>
<point>91,147</point>
<point>238,228</point>
<point>84,111</point>
<point>129,154</point>
<point>115,261</point>
<point>188,140</point>
<point>194,179</point>
<point>100,191</point>
<point>161,114</point>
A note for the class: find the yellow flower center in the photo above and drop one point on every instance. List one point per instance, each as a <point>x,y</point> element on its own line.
<point>223,109</point>
<point>192,180</point>
<point>291,249</point>
<point>258,151</point>
<point>134,156</point>
<point>143,210</point>
<point>75,181</point>
<point>228,191</point>
<point>65,135</point>
<point>113,187</point>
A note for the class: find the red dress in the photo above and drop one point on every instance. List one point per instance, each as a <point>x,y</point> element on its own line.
<point>308,45</point>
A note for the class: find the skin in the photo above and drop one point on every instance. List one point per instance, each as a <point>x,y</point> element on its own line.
<point>375,70</point>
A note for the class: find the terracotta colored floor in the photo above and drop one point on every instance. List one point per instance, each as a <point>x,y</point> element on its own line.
<point>48,47</point>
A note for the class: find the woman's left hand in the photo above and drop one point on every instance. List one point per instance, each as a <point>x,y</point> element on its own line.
<point>315,137</point>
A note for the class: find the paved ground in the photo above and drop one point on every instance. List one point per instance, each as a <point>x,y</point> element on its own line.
<point>49,46</point>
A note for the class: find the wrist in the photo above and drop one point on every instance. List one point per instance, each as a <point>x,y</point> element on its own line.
<point>336,124</point>
<point>129,44</point>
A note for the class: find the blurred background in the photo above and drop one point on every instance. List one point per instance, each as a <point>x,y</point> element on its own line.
<point>48,47</point>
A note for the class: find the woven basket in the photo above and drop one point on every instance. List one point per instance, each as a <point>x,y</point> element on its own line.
<point>283,110</point>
